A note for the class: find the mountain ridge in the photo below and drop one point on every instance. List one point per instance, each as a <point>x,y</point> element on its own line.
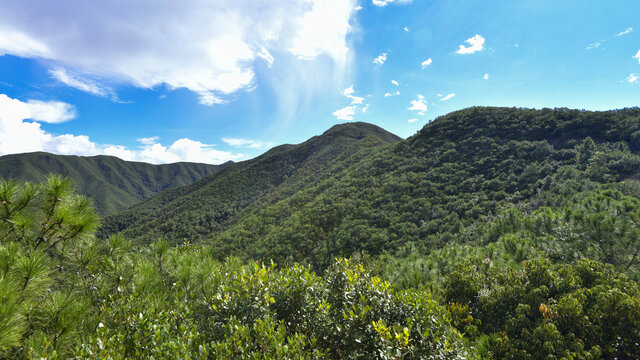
<point>373,195</point>
<point>275,166</point>
<point>113,184</point>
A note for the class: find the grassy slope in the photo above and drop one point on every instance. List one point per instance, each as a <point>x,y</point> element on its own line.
<point>113,184</point>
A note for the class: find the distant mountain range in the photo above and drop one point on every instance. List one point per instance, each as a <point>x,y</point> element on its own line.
<point>114,184</point>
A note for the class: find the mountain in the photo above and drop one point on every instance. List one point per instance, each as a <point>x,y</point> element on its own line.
<point>195,211</point>
<point>339,194</point>
<point>488,233</point>
<point>113,184</point>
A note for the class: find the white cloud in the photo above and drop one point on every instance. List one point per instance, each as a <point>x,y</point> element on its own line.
<point>380,59</point>
<point>627,31</point>
<point>396,93</point>
<point>265,55</point>
<point>17,43</point>
<point>181,150</point>
<point>426,63</point>
<point>633,78</point>
<point>80,83</point>
<point>18,135</point>
<point>355,100</point>
<point>346,113</point>
<point>637,56</point>
<point>448,97</point>
<point>148,140</point>
<point>207,49</point>
<point>395,83</point>
<point>50,111</point>
<point>348,92</point>
<point>406,29</point>
<point>486,76</point>
<point>322,29</point>
<point>412,120</point>
<point>382,3</point>
<point>476,43</point>
<point>252,144</point>
<point>419,105</point>
<point>365,108</point>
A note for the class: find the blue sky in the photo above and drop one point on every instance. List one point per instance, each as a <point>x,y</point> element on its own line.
<point>197,81</point>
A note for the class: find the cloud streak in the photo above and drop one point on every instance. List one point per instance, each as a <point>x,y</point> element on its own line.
<point>448,97</point>
<point>247,143</point>
<point>625,32</point>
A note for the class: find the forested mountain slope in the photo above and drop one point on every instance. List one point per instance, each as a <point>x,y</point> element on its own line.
<point>441,185</point>
<point>195,211</point>
<point>493,233</point>
<point>113,184</point>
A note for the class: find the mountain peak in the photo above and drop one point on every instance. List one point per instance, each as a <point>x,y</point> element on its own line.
<point>360,130</point>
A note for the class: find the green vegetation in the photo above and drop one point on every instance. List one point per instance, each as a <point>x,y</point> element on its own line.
<point>339,194</point>
<point>192,212</point>
<point>113,184</point>
<point>491,234</point>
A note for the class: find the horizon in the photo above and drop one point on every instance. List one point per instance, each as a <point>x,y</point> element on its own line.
<point>196,84</point>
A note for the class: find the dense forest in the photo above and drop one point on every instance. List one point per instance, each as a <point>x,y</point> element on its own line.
<point>492,233</point>
<point>112,183</point>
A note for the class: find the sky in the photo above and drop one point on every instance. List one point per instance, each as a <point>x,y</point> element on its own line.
<point>213,81</point>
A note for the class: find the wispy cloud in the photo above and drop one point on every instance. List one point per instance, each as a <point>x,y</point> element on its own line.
<point>406,29</point>
<point>637,56</point>
<point>448,97</point>
<point>633,78</point>
<point>476,43</point>
<point>392,94</point>
<point>627,31</point>
<point>486,76</point>
<point>412,120</point>
<point>247,143</point>
<point>395,83</point>
<point>594,45</point>
<point>81,83</point>
<point>426,63</point>
<point>381,59</point>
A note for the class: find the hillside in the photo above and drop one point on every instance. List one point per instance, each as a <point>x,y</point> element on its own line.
<point>113,184</point>
<point>493,233</point>
<point>195,211</point>
<point>440,185</point>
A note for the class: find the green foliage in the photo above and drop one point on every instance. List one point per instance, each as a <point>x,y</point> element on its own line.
<point>339,194</point>
<point>113,184</point>
<point>492,233</point>
<point>543,310</point>
<point>193,212</point>
<point>37,226</point>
